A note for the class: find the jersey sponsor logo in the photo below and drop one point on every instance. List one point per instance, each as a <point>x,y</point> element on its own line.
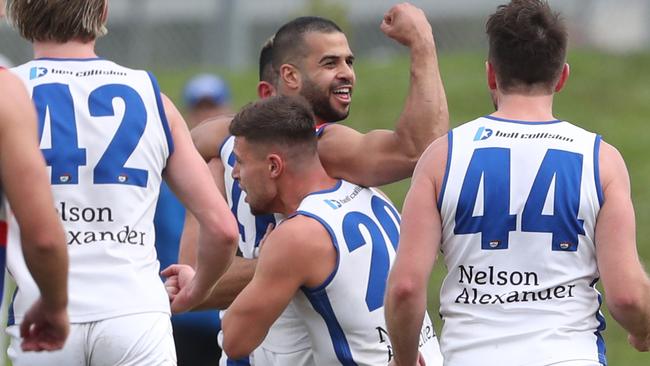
<point>37,72</point>
<point>482,134</point>
<point>479,295</point>
<point>337,203</point>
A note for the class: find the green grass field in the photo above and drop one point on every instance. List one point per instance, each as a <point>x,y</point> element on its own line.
<point>605,93</point>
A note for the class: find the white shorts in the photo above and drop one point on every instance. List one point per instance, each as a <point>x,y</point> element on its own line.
<point>577,363</point>
<point>133,340</point>
<point>264,357</point>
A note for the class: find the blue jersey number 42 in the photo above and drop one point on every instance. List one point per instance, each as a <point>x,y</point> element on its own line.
<point>65,156</point>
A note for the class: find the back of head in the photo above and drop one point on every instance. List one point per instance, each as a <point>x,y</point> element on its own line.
<point>289,41</point>
<point>283,121</point>
<point>266,71</point>
<point>58,20</point>
<point>528,44</point>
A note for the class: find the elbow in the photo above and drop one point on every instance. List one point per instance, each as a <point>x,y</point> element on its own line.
<point>224,228</point>
<point>43,243</point>
<point>401,291</point>
<point>630,301</point>
<point>235,347</point>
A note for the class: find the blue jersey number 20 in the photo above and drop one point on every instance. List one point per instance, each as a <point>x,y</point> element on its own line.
<point>493,164</point>
<point>65,156</point>
<point>379,261</point>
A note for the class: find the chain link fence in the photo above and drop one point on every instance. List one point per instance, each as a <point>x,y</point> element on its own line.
<point>228,33</point>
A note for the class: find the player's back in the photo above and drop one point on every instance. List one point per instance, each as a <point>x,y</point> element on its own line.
<point>345,315</point>
<point>106,140</point>
<point>519,204</point>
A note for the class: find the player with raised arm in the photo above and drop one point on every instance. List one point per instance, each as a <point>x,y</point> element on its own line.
<point>26,201</point>
<point>529,212</point>
<point>329,259</point>
<point>107,133</point>
<point>316,51</point>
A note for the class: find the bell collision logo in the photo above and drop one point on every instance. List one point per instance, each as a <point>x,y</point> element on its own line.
<point>482,133</point>
<point>333,203</point>
<point>37,72</point>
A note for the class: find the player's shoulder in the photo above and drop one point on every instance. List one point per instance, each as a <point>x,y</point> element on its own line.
<point>301,235</point>
<point>13,91</point>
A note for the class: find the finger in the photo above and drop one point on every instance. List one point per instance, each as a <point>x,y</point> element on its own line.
<point>172,270</point>
<point>171,281</point>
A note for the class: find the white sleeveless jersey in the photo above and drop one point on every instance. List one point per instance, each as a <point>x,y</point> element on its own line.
<point>288,333</point>
<point>106,140</point>
<point>345,315</point>
<point>519,204</point>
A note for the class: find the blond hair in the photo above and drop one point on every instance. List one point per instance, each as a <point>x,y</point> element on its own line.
<point>58,20</point>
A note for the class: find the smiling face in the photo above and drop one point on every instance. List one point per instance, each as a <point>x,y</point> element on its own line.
<point>252,169</point>
<point>327,75</point>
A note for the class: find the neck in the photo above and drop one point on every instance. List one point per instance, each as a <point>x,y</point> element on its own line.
<point>70,49</point>
<point>300,183</point>
<point>535,108</point>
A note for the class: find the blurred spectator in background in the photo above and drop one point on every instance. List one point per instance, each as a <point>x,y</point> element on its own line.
<point>205,96</point>
<point>195,333</point>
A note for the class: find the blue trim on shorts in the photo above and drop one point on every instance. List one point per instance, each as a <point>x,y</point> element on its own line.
<point>240,362</point>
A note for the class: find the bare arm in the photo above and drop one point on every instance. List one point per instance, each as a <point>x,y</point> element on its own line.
<point>209,135</point>
<point>406,294</point>
<point>240,271</point>
<point>382,156</point>
<point>191,181</point>
<point>26,185</point>
<point>627,288</point>
<point>190,235</point>
<point>299,252</point>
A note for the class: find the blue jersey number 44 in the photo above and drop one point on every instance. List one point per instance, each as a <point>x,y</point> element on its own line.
<point>65,156</point>
<point>493,165</point>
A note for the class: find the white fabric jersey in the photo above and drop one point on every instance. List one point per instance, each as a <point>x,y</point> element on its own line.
<point>519,204</point>
<point>106,140</point>
<point>289,333</point>
<point>345,315</point>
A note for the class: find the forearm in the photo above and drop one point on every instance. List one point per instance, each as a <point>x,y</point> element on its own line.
<point>213,259</point>
<point>425,116</point>
<point>238,275</point>
<point>404,316</point>
<point>187,249</point>
<point>47,260</point>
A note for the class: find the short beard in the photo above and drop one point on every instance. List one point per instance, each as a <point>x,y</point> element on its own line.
<point>320,103</point>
